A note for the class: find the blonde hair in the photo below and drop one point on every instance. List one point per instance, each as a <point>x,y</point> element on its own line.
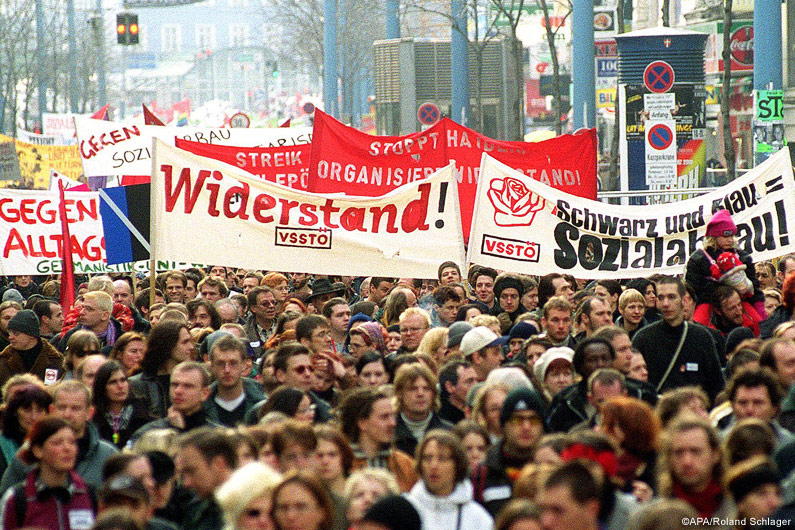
<point>432,340</point>
<point>101,284</point>
<point>629,296</point>
<point>485,320</point>
<point>478,412</point>
<point>370,474</point>
<point>244,485</point>
<point>101,299</point>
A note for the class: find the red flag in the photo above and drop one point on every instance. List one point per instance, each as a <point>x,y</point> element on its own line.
<point>286,123</point>
<point>150,118</point>
<point>101,114</point>
<point>67,266</point>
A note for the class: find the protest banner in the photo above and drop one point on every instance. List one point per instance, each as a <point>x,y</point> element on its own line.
<point>31,237</point>
<point>247,222</point>
<point>344,160</point>
<point>108,148</point>
<point>43,139</point>
<point>524,226</point>
<point>35,162</point>
<point>286,165</point>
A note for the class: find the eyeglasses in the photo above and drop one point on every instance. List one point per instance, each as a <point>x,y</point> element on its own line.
<point>269,303</point>
<point>301,370</point>
<point>519,420</point>
<point>412,330</point>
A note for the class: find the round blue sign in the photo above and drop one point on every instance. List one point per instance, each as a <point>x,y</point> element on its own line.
<point>659,77</point>
<point>428,113</point>
<point>660,137</point>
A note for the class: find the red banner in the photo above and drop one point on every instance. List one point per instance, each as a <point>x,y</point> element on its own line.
<point>286,165</point>
<point>345,160</point>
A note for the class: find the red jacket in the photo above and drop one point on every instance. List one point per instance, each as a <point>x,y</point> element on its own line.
<point>70,508</point>
<point>704,314</point>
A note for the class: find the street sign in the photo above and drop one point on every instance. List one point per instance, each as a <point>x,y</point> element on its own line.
<point>659,77</point>
<point>606,67</point>
<point>309,107</point>
<point>428,113</point>
<point>239,121</point>
<point>660,136</point>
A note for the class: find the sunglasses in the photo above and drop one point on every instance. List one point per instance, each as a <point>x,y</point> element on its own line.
<point>301,370</point>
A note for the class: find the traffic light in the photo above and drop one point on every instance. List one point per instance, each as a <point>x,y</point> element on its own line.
<point>275,72</point>
<point>127,28</point>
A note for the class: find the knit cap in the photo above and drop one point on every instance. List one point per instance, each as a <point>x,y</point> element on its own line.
<point>520,399</point>
<point>721,224</point>
<point>394,512</point>
<point>456,332</point>
<point>26,322</point>
<point>507,282</point>
<point>548,357</point>
<point>13,295</point>
<point>522,330</point>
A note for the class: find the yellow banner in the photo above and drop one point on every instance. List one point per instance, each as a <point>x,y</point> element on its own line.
<point>605,98</point>
<point>35,162</point>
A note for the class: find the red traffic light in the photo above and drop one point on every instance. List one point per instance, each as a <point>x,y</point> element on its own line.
<point>133,29</point>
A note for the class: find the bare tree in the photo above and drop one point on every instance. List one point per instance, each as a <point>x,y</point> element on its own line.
<point>728,141</point>
<point>617,127</point>
<point>551,34</point>
<point>476,43</point>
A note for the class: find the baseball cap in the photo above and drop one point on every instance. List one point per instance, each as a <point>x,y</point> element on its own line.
<point>478,338</point>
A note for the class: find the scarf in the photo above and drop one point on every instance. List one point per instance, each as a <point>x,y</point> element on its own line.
<point>705,502</point>
<point>119,422</point>
<point>417,428</point>
<point>108,337</point>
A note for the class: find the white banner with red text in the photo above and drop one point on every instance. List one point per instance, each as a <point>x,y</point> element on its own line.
<point>110,148</point>
<point>522,225</point>
<point>206,210</point>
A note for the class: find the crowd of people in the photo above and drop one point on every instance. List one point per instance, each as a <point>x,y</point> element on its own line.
<point>225,398</point>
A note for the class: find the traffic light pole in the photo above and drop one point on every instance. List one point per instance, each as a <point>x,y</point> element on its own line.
<point>330,57</point>
<point>99,28</point>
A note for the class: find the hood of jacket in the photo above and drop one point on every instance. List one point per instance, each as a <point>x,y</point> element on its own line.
<point>461,494</point>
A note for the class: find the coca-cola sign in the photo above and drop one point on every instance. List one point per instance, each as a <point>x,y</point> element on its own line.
<point>742,45</point>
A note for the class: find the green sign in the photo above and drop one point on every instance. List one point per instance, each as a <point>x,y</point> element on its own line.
<point>768,123</point>
<point>769,105</point>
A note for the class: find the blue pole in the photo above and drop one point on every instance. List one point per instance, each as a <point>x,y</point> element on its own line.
<point>330,56</point>
<point>459,63</point>
<point>767,41</point>
<point>584,101</point>
<point>392,20</point>
<point>41,57</point>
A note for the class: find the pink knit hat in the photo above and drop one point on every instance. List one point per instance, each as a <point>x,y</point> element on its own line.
<point>721,224</point>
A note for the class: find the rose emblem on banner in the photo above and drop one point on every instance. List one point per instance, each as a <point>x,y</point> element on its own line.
<point>514,204</point>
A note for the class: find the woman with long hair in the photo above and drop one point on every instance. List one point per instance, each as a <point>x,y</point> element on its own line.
<point>632,425</point>
<point>333,457</point>
<point>26,406</point>
<point>292,402</point>
<point>116,415</point>
<point>54,492</point>
<point>129,351</point>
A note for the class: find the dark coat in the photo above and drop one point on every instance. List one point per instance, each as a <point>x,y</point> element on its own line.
<point>49,359</point>
<point>405,441</point>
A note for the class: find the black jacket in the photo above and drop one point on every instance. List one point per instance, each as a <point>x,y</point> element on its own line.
<point>697,364</point>
<point>567,408</point>
<point>491,486</point>
<point>105,348</point>
<point>405,441</point>
<point>150,390</point>
<point>251,389</point>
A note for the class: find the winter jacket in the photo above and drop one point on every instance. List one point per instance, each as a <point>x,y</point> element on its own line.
<point>89,465</point>
<point>138,419</point>
<point>48,360</point>
<point>63,508</point>
<point>195,420</point>
<point>149,389</point>
<point>457,511</point>
<point>492,487</point>
<point>780,315</point>
<point>698,275</point>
